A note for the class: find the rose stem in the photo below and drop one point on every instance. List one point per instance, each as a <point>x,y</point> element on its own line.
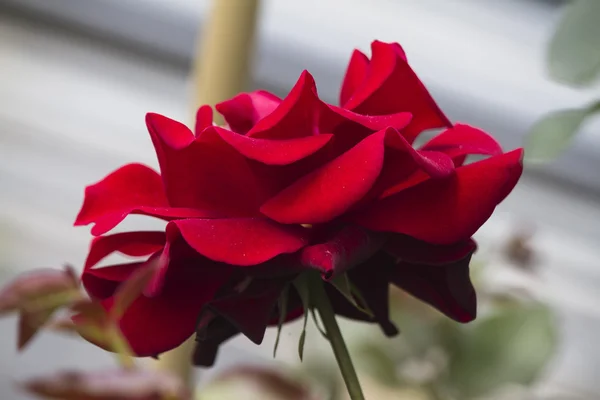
<point>321,301</point>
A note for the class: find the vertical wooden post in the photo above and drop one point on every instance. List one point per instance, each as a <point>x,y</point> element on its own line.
<point>223,58</point>
<point>220,71</point>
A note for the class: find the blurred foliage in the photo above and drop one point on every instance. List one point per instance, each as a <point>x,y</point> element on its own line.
<point>510,346</point>
<point>553,134</point>
<point>573,59</point>
<point>574,53</point>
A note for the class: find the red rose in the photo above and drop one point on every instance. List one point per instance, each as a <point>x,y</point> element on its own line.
<point>299,184</point>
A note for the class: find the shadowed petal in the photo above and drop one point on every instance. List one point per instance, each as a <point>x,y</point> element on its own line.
<point>445,287</point>
<point>342,251</point>
<point>371,279</point>
<point>411,250</point>
<point>153,325</point>
<point>274,152</point>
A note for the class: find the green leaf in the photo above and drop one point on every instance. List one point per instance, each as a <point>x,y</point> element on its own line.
<point>318,324</point>
<point>282,305</point>
<point>511,346</point>
<point>554,132</point>
<point>343,284</point>
<point>301,285</point>
<point>574,53</point>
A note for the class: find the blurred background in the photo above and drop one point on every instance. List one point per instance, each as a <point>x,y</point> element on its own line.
<point>78,76</point>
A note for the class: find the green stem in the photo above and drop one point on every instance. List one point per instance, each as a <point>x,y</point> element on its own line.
<point>121,347</point>
<point>321,302</point>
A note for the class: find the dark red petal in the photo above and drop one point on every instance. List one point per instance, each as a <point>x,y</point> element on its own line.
<point>239,241</point>
<point>350,128</point>
<point>207,347</point>
<point>445,211</point>
<point>355,75</point>
<point>332,189</point>
<point>445,287</point>
<point>274,152</point>
<point>391,86</point>
<point>206,173</point>
<point>101,283</point>
<point>296,116</point>
<point>411,250</point>
<point>133,244</point>
<point>251,310</point>
<point>343,250</point>
<point>403,169</point>
<point>434,164</point>
<point>243,111</point>
<point>204,119</point>
<point>462,140</point>
<point>158,324</point>
<point>371,278</point>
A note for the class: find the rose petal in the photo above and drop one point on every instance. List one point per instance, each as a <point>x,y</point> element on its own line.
<point>445,211</point>
<point>131,189</point>
<point>434,164</point>
<point>332,189</point>
<point>133,244</point>
<point>394,181</point>
<point>101,283</point>
<point>373,123</point>
<point>250,311</point>
<point>274,152</point>
<point>206,173</point>
<point>403,169</point>
<point>158,324</point>
<point>355,75</point>
<point>342,251</point>
<point>238,241</point>
<point>462,140</point>
<point>391,86</point>
<point>411,250</point>
<point>296,116</point>
<point>445,287</point>
<point>207,347</point>
<point>243,111</point>
<point>204,119</point>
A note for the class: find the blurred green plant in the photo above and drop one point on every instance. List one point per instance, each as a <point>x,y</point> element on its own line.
<point>573,59</point>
